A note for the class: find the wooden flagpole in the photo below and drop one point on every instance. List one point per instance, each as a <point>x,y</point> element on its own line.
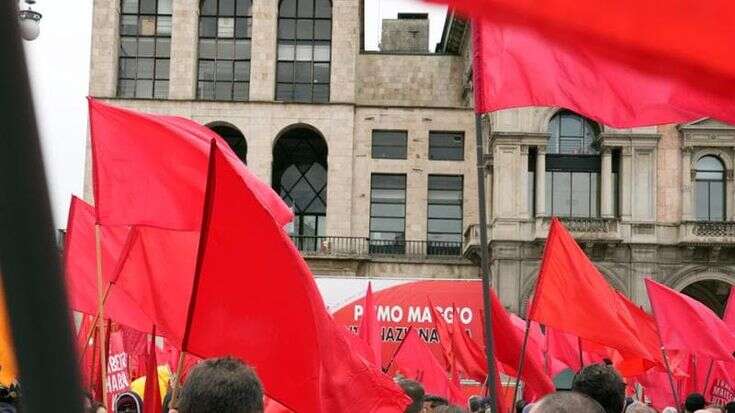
<point>521,360</point>
<point>177,379</point>
<point>671,379</point>
<point>706,378</point>
<point>101,312</point>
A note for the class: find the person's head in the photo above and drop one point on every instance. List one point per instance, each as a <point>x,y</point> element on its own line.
<point>520,404</point>
<point>730,407</point>
<point>565,402</point>
<point>223,385</point>
<point>98,407</point>
<point>694,402</point>
<point>603,384</point>
<point>479,404</point>
<point>431,402</point>
<point>415,391</point>
<point>448,409</point>
<point>638,407</point>
<point>128,402</point>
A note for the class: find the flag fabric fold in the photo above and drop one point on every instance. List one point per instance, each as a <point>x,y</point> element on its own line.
<point>646,65</point>
<point>151,169</point>
<point>369,330</point>
<point>572,296</point>
<point>152,395</point>
<point>686,324</point>
<point>271,309</point>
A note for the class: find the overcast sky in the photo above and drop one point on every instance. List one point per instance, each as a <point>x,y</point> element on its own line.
<point>59,68</point>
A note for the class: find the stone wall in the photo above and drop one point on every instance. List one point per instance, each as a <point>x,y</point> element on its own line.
<point>405,35</point>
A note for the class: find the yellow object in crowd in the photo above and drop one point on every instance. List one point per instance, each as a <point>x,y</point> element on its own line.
<point>8,366</point>
<point>164,375</point>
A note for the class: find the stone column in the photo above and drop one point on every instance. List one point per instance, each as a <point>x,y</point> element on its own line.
<point>525,211</point>
<point>184,50</point>
<point>104,49</point>
<point>687,214</point>
<point>541,181</point>
<point>606,190</point>
<point>626,178</point>
<point>263,55</point>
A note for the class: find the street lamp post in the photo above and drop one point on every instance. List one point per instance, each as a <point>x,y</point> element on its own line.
<point>29,21</point>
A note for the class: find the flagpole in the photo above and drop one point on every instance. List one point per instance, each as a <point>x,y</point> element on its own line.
<point>671,379</point>
<point>521,360</point>
<point>101,311</point>
<point>581,357</point>
<point>177,379</point>
<point>706,378</point>
<point>484,267</point>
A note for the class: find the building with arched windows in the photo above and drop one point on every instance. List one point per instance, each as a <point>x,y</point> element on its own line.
<point>375,150</point>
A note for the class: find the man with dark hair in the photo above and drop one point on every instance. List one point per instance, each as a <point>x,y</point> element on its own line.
<point>222,385</point>
<point>567,402</point>
<point>730,407</point>
<point>603,384</point>
<point>694,402</point>
<point>415,391</point>
<point>431,402</point>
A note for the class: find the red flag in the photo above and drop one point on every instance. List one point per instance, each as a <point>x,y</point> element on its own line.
<point>252,283</point>
<point>151,169</point>
<point>645,325</point>
<point>369,330</point>
<point>415,361</point>
<point>572,296</point>
<point>686,324</point>
<point>152,395</point>
<point>729,316</point>
<point>646,65</point>
<point>469,354</point>
<point>80,267</point>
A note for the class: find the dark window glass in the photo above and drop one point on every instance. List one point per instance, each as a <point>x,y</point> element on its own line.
<point>387,213</point>
<point>309,23</point>
<point>572,194</point>
<point>225,30</point>
<point>145,49</point>
<point>389,144</point>
<point>710,189</point>
<point>446,146</point>
<point>444,226</point>
<point>571,134</point>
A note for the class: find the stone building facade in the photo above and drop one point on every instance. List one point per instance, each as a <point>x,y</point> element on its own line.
<point>375,150</point>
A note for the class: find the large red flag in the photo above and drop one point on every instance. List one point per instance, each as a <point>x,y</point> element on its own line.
<point>572,296</point>
<point>646,65</point>
<point>80,267</point>
<point>151,169</point>
<point>369,330</point>
<point>645,325</point>
<point>415,361</point>
<point>729,316</point>
<point>252,283</point>
<point>152,394</point>
<point>686,324</point>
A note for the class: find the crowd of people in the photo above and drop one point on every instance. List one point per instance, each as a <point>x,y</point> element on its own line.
<point>226,385</point>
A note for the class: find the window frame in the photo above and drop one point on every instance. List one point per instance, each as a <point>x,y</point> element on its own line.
<point>708,182</point>
<point>445,132</point>
<point>247,40</point>
<point>157,60</point>
<point>398,242</point>
<point>437,247</point>
<point>404,146</point>
<point>295,41</point>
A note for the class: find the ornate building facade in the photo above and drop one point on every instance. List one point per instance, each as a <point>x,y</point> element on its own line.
<point>375,152</point>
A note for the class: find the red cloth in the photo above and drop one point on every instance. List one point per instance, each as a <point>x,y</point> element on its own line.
<point>645,325</point>
<point>369,330</point>
<point>415,361</point>
<point>686,324</point>
<point>152,394</point>
<point>729,315</point>
<point>572,296</point>
<point>151,169</point>
<point>645,65</point>
<point>253,284</point>
<point>80,267</point>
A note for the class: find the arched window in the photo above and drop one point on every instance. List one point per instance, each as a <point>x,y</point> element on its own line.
<point>300,177</point>
<point>225,30</point>
<point>572,167</point>
<point>304,50</point>
<point>145,49</point>
<point>710,187</point>
<point>234,139</point>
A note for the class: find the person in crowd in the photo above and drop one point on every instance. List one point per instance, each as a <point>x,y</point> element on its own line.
<point>449,409</point>
<point>479,404</point>
<point>603,384</point>
<point>711,409</point>
<point>98,407</point>
<point>9,397</point>
<point>520,404</point>
<point>415,391</point>
<point>431,402</point>
<point>694,402</point>
<point>638,407</point>
<point>730,407</point>
<point>567,402</point>
<point>669,409</point>
<point>128,402</point>
<point>222,385</point>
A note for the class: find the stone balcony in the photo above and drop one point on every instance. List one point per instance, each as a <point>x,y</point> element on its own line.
<point>707,232</point>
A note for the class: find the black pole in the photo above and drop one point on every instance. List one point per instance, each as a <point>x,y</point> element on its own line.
<point>31,276</point>
<point>521,360</point>
<point>484,267</point>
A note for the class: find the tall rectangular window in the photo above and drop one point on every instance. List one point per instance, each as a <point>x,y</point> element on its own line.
<point>444,228</point>
<point>446,146</point>
<point>225,32</point>
<point>387,213</point>
<point>145,49</point>
<point>389,144</point>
